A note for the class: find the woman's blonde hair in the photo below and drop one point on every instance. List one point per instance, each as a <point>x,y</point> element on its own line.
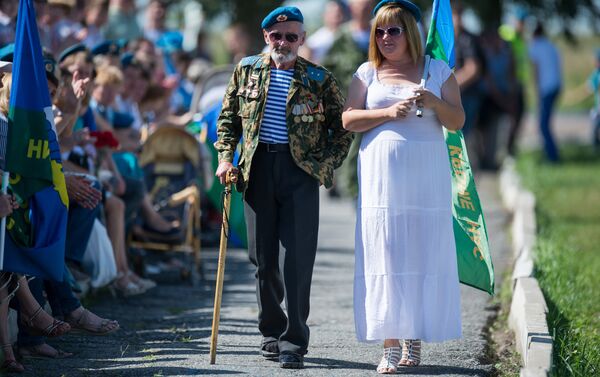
<point>395,15</point>
<point>109,75</point>
<point>5,93</point>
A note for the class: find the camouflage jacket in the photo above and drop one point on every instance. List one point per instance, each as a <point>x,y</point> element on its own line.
<point>318,142</point>
<point>344,57</point>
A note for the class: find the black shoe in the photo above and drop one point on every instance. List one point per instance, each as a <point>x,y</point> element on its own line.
<point>270,350</point>
<point>291,361</point>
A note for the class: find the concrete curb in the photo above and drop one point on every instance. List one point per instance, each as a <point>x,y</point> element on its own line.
<point>528,308</point>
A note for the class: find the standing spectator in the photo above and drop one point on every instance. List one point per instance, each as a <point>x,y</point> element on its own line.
<point>289,112</point>
<point>156,14</point>
<point>499,94</point>
<point>351,45</point>
<point>321,40</point>
<point>546,63</point>
<point>515,36</point>
<point>349,50</point>
<point>469,68</point>
<point>237,42</point>
<point>8,14</point>
<point>122,21</point>
<point>594,86</point>
<point>406,286</point>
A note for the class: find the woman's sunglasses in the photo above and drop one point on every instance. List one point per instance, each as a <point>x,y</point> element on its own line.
<point>393,31</point>
<point>277,36</point>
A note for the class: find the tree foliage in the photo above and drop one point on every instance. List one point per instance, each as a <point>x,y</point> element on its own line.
<point>250,13</point>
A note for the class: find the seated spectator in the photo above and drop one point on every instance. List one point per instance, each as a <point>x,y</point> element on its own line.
<point>107,85</point>
<point>8,16</point>
<point>60,295</point>
<point>107,52</point>
<point>136,196</point>
<point>95,17</point>
<point>135,85</point>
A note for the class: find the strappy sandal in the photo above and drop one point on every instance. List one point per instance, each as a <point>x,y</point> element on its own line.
<point>146,284</point>
<point>56,328</point>
<point>389,361</point>
<point>411,353</point>
<point>125,289</point>
<point>11,365</point>
<point>83,325</point>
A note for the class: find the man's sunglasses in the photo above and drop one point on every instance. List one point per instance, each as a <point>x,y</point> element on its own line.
<point>277,36</point>
<point>393,31</point>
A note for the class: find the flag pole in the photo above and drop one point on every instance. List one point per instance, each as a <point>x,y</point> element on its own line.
<point>423,81</point>
<point>5,177</point>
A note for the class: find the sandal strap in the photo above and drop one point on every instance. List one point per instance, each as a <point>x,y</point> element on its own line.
<point>82,319</point>
<point>30,320</point>
<point>390,358</point>
<point>411,351</point>
<point>49,330</point>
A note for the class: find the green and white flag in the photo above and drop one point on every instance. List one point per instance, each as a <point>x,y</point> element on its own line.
<point>472,248</point>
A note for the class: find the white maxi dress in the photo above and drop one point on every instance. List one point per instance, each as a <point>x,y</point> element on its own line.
<point>406,277</point>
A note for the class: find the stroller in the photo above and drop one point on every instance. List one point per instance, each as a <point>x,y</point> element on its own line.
<point>172,164</point>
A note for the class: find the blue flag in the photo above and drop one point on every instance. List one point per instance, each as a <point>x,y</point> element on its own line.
<point>37,230</point>
<point>440,39</point>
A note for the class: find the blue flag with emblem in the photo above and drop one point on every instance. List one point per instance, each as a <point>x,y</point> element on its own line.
<point>37,230</point>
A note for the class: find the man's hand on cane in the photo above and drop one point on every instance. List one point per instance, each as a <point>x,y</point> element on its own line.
<point>222,170</point>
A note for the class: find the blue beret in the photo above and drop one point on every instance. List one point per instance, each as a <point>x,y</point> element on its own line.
<point>106,48</point>
<point>121,120</point>
<point>126,59</point>
<point>51,68</point>
<point>7,52</point>
<point>282,14</point>
<point>122,42</point>
<point>521,13</point>
<point>412,8</point>
<point>71,50</point>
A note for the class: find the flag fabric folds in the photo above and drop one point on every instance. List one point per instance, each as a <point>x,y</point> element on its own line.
<point>475,266</point>
<point>37,230</point>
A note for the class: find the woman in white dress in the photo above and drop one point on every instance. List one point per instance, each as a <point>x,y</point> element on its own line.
<point>406,279</point>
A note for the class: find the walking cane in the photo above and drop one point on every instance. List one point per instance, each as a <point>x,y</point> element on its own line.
<point>230,178</point>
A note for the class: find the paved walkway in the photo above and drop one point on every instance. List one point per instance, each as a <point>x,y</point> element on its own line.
<point>166,332</point>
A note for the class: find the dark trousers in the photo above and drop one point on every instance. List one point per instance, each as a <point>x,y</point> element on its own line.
<point>79,228</point>
<point>547,102</point>
<point>281,204</point>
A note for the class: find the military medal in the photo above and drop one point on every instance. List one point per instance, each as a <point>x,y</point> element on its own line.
<point>296,119</point>
<point>305,118</point>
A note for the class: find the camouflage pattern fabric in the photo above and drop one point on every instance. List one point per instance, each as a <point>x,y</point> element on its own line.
<point>318,142</point>
<point>343,59</point>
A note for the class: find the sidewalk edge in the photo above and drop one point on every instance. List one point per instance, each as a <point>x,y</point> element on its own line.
<point>528,309</point>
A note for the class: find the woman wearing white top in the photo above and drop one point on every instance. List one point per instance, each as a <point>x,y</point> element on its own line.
<point>406,279</point>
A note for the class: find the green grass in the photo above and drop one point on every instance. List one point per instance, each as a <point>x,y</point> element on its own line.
<point>567,254</point>
<point>500,350</point>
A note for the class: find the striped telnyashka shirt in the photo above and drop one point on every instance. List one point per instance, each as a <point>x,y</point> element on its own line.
<point>273,129</point>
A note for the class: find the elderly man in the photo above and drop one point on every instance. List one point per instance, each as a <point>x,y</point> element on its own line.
<point>288,111</point>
